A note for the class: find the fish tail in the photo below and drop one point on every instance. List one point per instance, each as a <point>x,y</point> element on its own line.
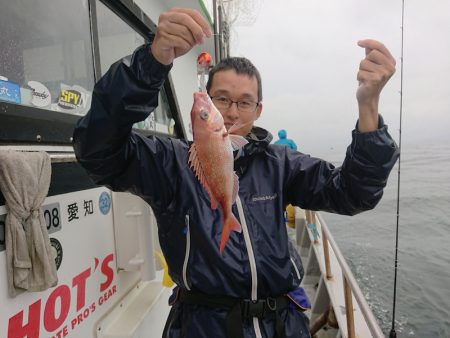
<point>230,224</point>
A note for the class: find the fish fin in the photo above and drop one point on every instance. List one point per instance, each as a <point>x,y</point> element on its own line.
<point>237,126</point>
<point>235,188</point>
<point>197,168</point>
<point>237,141</point>
<point>230,223</point>
<point>192,160</point>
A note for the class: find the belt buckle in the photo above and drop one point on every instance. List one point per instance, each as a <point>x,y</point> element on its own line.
<point>245,307</point>
<point>271,303</point>
<point>252,308</point>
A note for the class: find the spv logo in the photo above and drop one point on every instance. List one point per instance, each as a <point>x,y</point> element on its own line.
<point>70,99</point>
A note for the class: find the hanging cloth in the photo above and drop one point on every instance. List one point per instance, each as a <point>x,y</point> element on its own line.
<point>24,182</point>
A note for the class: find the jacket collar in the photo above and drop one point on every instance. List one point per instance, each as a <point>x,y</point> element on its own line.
<point>258,141</point>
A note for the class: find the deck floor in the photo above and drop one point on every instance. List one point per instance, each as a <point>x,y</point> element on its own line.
<point>310,289</point>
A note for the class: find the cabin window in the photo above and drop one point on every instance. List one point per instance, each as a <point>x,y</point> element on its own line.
<point>52,53</point>
<point>46,56</point>
<point>116,40</point>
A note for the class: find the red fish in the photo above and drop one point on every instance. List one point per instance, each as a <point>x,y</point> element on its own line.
<point>211,158</point>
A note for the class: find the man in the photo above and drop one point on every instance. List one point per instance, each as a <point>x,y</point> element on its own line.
<point>284,141</point>
<point>244,291</point>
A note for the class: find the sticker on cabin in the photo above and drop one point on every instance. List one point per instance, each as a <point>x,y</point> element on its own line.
<point>52,216</point>
<point>41,95</point>
<point>57,251</point>
<point>104,203</point>
<point>73,99</point>
<point>69,305</point>
<point>88,206</point>
<point>74,212</point>
<point>70,99</point>
<point>9,91</point>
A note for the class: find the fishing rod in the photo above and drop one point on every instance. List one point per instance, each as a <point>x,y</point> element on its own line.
<point>392,333</point>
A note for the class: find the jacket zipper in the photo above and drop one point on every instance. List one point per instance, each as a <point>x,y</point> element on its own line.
<point>252,261</point>
<point>186,255</point>
<point>296,269</point>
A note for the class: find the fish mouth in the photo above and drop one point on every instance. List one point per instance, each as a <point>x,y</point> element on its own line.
<point>229,125</point>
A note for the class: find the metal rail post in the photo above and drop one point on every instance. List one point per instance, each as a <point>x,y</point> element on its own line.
<point>349,309</point>
<point>326,254</point>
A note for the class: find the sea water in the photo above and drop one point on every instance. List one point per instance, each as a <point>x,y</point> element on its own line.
<point>367,241</point>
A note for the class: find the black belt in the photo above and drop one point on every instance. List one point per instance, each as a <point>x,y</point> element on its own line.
<point>240,310</point>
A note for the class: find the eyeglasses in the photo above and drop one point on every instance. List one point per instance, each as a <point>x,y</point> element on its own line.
<point>222,102</point>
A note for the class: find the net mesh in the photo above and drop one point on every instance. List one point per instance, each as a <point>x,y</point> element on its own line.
<point>238,13</point>
<point>241,12</point>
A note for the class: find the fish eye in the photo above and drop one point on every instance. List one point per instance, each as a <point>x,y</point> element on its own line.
<point>204,115</point>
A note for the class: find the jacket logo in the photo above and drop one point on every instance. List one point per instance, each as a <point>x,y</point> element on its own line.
<point>265,198</point>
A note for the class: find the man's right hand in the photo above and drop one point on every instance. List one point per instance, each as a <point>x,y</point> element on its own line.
<point>178,31</point>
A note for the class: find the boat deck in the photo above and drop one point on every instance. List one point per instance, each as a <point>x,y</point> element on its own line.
<point>327,295</point>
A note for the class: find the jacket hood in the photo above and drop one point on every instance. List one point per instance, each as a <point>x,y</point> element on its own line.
<point>282,134</point>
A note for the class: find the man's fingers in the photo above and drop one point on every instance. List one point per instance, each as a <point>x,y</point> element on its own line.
<point>374,44</point>
<point>369,66</point>
<point>377,58</point>
<point>371,45</point>
<point>179,43</point>
<point>169,21</point>
<point>180,31</point>
<point>365,76</point>
<point>197,17</point>
<point>382,73</point>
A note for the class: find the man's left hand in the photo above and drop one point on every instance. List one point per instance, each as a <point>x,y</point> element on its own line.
<point>374,72</point>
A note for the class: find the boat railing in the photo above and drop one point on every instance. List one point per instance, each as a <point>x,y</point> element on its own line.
<point>336,274</point>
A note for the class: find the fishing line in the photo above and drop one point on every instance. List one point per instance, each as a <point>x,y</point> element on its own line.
<point>393,334</point>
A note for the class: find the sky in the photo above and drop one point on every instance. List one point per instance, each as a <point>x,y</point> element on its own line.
<point>308,57</point>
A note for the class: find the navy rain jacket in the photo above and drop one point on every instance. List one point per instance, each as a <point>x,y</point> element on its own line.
<point>270,177</point>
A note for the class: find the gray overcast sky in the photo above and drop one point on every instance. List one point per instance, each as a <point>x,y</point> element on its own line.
<point>307,54</point>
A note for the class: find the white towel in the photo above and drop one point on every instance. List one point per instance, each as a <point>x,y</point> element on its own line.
<point>24,182</point>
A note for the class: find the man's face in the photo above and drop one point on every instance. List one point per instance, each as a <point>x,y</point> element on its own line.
<point>228,85</point>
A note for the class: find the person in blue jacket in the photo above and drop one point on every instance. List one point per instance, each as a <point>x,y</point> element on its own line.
<point>284,141</point>
<point>252,288</point>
